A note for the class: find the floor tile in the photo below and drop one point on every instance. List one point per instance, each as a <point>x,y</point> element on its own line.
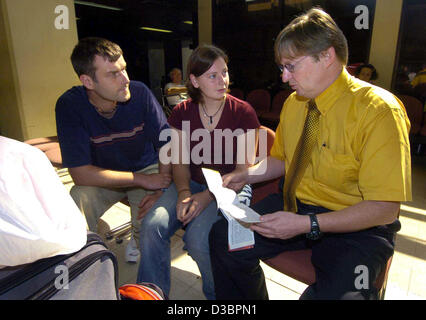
<point>277,292</point>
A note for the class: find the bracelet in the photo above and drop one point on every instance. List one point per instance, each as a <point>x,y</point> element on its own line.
<point>183,191</point>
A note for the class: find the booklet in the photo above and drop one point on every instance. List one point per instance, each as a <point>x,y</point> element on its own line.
<point>239,216</point>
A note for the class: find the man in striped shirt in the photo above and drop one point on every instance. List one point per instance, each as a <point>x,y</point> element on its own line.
<point>108,130</point>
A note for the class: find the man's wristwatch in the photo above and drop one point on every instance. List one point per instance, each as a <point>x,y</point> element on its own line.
<point>315,233</point>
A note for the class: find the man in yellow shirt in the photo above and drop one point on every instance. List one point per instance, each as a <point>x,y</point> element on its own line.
<point>348,197</point>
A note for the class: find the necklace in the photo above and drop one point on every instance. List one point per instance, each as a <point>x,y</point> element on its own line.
<point>106,114</point>
<point>211,117</point>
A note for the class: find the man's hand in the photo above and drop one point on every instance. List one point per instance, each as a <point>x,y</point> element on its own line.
<point>190,207</point>
<point>282,225</point>
<point>236,179</point>
<point>153,181</point>
<point>147,202</point>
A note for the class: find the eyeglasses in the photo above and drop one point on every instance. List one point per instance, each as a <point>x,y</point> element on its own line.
<point>290,67</point>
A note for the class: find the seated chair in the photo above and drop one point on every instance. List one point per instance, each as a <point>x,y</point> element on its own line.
<point>297,264</point>
<point>172,97</point>
<point>167,109</point>
<point>415,113</point>
<point>273,116</point>
<point>260,100</point>
<point>50,147</point>
<point>414,109</point>
<point>237,93</point>
<point>419,91</point>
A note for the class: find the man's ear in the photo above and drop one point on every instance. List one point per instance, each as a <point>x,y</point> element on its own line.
<point>87,81</point>
<point>194,81</point>
<point>328,56</point>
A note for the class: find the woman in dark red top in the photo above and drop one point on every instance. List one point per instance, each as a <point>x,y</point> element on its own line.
<point>211,120</point>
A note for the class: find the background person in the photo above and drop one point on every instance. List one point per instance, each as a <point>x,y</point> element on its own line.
<point>174,98</point>
<point>366,72</point>
<point>343,147</point>
<point>187,202</point>
<point>108,131</point>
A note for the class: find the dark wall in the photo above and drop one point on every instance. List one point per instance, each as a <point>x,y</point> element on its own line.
<point>248,36</point>
<point>123,27</point>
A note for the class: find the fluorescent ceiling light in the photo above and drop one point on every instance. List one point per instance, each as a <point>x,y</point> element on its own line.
<point>156,29</point>
<point>96,5</point>
<point>188,22</point>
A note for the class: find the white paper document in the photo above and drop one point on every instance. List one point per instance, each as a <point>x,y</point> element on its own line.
<point>239,216</point>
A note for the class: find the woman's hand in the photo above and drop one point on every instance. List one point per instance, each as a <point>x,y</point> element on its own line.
<point>189,207</point>
<point>236,179</point>
<point>181,206</point>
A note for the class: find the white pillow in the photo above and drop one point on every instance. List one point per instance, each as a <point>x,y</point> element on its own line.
<point>38,218</point>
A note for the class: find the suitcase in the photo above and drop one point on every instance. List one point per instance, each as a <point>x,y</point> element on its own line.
<point>88,274</point>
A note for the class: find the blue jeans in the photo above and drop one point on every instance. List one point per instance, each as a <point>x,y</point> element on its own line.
<point>161,223</point>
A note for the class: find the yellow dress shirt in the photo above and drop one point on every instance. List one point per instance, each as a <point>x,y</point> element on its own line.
<point>363,151</point>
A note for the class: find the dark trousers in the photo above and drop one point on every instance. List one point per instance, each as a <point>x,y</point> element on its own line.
<point>342,261</point>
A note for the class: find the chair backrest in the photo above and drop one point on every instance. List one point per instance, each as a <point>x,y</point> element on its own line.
<point>260,99</point>
<point>423,129</point>
<point>278,100</point>
<point>352,68</point>
<point>420,90</point>
<point>50,147</point>
<point>237,93</point>
<point>262,189</point>
<point>414,109</point>
<point>167,109</point>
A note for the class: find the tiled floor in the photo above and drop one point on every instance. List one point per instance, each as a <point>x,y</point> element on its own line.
<point>407,277</point>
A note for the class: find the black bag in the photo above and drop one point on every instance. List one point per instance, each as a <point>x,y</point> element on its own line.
<point>88,274</point>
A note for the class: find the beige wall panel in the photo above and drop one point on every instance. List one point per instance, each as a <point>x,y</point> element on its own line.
<point>38,62</point>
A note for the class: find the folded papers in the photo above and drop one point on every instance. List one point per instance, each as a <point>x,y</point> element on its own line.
<point>239,215</point>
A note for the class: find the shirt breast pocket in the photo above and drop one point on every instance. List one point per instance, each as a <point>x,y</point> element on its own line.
<point>337,171</point>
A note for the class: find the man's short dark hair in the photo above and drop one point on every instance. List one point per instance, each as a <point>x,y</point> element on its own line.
<point>84,53</point>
